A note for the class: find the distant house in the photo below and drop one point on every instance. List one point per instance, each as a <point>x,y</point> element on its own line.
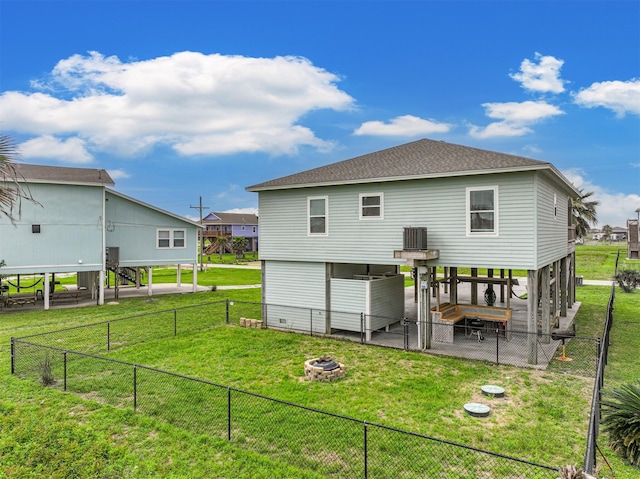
<point>79,225</point>
<point>618,233</point>
<point>333,238</point>
<point>229,225</point>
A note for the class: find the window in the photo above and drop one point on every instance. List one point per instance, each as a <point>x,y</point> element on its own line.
<point>169,238</point>
<point>317,207</point>
<point>253,229</point>
<point>482,211</point>
<point>555,205</point>
<point>371,206</point>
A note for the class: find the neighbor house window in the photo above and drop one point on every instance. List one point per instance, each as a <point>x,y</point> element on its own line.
<point>170,238</point>
<point>371,206</point>
<point>482,211</point>
<point>317,207</point>
<point>555,205</point>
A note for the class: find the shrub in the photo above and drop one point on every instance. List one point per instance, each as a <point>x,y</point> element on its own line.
<point>628,279</point>
<point>621,419</point>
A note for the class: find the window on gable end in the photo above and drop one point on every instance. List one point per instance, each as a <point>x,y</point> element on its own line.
<point>371,206</point>
<point>318,218</point>
<point>482,211</point>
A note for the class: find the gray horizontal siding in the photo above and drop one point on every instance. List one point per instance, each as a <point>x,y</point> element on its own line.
<point>295,293</point>
<point>438,204</point>
<point>348,300</point>
<point>387,301</point>
<point>70,238</point>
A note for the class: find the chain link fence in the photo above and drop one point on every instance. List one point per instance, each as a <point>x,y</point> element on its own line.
<point>329,444</point>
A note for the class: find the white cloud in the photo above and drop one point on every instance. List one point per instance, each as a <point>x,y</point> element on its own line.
<point>249,211</point>
<point>192,102</point>
<point>619,96</point>
<point>515,118</point>
<point>118,174</point>
<point>614,208</point>
<point>71,150</point>
<point>542,77</point>
<point>407,125</point>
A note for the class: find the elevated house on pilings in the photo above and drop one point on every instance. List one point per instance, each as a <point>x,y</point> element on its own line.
<point>80,226</point>
<point>229,225</point>
<point>333,238</point>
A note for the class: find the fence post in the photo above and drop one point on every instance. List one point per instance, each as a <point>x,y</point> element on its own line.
<point>108,335</point>
<point>13,356</point>
<point>228,413</point>
<point>498,343</point>
<point>175,321</point>
<point>361,328</point>
<point>405,332</point>
<point>64,357</point>
<point>311,321</point>
<point>366,453</point>
<point>227,310</point>
<point>135,387</point>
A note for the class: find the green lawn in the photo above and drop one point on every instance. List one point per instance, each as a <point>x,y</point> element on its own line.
<point>47,433</point>
<point>53,434</point>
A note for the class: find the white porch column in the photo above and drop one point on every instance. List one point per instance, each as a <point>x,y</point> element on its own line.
<point>45,290</point>
<point>101,287</point>
<point>150,283</point>
<point>195,278</point>
<point>179,275</point>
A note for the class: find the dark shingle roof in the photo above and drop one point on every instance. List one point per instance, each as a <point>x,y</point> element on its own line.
<point>62,175</point>
<point>231,219</point>
<point>418,159</point>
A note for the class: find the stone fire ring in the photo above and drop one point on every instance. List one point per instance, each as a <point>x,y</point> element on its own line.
<point>318,373</point>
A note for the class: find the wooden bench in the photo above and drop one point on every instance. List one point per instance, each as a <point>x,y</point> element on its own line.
<point>64,296</point>
<point>10,301</point>
<point>448,315</point>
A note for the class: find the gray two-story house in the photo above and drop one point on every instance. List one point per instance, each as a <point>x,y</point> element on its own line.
<point>333,238</point>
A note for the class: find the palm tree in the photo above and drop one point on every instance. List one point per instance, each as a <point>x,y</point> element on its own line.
<point>12,193</point>
<point>621,419</point>
<point>584,213</point>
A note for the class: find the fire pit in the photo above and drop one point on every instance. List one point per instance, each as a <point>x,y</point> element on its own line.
<point>323,369</point>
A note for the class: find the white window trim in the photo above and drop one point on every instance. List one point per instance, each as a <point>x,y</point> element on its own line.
<point>171,238</point>
<point>496,209</point>
<point>326,215</point>
<point>555,206</point>
<point>361,206</point>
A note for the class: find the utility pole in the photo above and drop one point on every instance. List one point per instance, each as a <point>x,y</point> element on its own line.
<point>200,208</point>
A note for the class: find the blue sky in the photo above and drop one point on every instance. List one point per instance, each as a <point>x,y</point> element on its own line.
<point>182,99</point>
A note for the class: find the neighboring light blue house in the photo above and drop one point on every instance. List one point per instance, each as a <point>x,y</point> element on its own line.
<point>81,226</point>
<point>333,238</point>
<point>229,225</point>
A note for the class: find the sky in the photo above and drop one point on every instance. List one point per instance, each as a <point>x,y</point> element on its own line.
<point>179,100</point>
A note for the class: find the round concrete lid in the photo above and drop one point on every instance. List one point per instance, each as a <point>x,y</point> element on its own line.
<point>490,390</point>
<point>476,409</point>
